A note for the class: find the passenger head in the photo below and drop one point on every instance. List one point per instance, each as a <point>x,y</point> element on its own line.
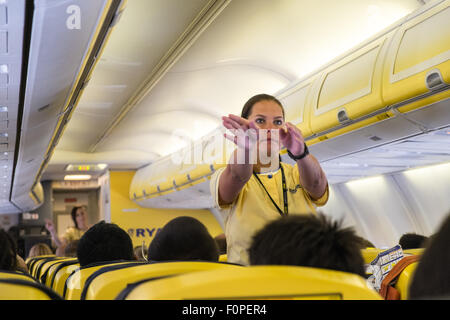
<point>79,216</point>
<point>71,248</point>
<point>308,241</point>
<point>431,279</point>
<point>8,252</point>
<point>40,249</point>
<point>412,241</point>
<point>183,238</point>
<point>221,242</point>
<point>104,242</point>
<point>365,243</point>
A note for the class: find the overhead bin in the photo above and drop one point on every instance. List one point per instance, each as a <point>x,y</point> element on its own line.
<point>154,178</point>
<point>182,179</point>
<point>348,113</point>
<point>372,95</point>
<point>297,104</point>
<point>55,79</point>
<point>417,68</point>
<point>30,200</point>
<point>350,89</point>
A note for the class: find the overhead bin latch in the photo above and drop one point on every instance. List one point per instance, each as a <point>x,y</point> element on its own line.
<point>434,80</point>
<point>343,117</point>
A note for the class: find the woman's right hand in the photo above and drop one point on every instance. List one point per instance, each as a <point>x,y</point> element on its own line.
<point>245,132</point>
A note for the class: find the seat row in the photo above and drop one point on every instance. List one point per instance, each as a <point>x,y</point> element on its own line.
<point>54,277</point>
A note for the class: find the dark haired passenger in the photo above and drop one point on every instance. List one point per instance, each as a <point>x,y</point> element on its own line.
<point>366,243</point>
<point>221,241</point>
<point>412,241</point>
<point>71,249</point>
<point>431,279</point>
<point>104,242</point>
<point>9,259</point>
<point>183,239</point>
<point>308,241</point>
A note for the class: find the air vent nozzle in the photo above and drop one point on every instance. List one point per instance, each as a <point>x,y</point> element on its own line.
<point>434,80</point>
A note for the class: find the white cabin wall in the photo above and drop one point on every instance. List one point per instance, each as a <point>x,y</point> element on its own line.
<point>427,190</point>
<point>382,208</point>
<point>338,208</point>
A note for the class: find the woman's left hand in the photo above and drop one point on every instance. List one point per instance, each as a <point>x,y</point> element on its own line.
<point>292,139</point>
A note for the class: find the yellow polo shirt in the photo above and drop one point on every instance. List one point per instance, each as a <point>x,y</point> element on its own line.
<point>252,209</point>
<point>72,234</point>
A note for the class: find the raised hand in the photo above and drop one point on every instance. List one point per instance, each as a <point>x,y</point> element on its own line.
<point>245,132</point>
<point>292,139</point>
<point>50,226</point>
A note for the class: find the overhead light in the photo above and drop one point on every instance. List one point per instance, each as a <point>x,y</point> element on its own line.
<point>102,166</point>
<point>86,167</point>
<point>3,109</point>
<point>3,68</point>
<point>77,177</point>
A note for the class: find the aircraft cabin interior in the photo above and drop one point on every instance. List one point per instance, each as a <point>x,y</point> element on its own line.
<point>117,106</point>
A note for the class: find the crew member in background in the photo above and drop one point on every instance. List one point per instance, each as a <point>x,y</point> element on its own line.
<point>79,218</point>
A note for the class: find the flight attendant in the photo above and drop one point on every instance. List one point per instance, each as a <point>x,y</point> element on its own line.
<point>79,218</point>
<point>255,187</point>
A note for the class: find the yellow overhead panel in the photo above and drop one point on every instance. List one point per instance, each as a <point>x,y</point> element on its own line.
<point>350,88</point>
<point>180,180</point>
<point>165,186</point>
<point>297,103</point>
<point>136,188</point>
<point>418,61</point>
<point>191,184</point>
<point>360,124</point>
<point>416,104</point>
<point>201,171</point>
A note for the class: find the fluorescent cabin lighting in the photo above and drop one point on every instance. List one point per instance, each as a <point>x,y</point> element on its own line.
<point>86,167</point>
<point>77,177</point>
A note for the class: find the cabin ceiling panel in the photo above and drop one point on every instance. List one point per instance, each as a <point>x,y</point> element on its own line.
<point>207,92</point>
<point>293,37</point>
<point>144,34</point>
<point>282,39</point>
<point>257,46</point>
<point>253,46</point>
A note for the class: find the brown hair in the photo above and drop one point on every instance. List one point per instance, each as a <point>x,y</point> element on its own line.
<point>247,109</point>
<point>40,249</point>
<point>73,213</point>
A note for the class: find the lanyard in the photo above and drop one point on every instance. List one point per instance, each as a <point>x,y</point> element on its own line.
<point>285,200</point>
